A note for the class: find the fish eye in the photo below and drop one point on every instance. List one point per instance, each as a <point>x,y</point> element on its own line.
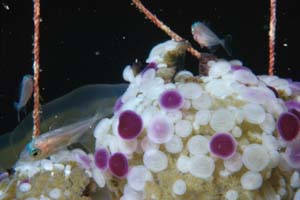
<point>35,152</point>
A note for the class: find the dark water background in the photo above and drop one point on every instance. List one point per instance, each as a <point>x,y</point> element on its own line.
<point>87,42</point>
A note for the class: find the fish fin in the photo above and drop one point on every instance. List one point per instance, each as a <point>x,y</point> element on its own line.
<point>226,43</point>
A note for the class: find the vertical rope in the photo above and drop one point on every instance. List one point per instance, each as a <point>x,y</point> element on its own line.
<point>163,27</point>
<point>36,68</point>
<point>272,37</point>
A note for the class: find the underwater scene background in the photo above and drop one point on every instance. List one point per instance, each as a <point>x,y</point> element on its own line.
<point>89,42</point>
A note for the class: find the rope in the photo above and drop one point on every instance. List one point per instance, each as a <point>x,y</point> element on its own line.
<point>272,37</point>
<point>36,68</point>
<point>164,27</point>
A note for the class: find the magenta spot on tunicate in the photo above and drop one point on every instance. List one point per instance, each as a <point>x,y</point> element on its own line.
<point>130,125</point>
<point>274,91</point>
<point>293,107</point>
<point>151,65</point>
<point>292,154</point>
<point>160,130</point>
<point>223,145</point>
<point>118,104</point>
<point>118,165</point>
<point>239,67</point>
<point>171,100</point>
<point>288,126</point>
<point>101,158</point>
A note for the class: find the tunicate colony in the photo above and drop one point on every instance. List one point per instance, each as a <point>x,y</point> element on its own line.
<point>175,139</point>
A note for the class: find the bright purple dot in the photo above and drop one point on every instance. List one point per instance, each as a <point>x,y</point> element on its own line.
<point>293,107</point>
<point>292,154</point>
<point>118,165</point>
<point>101,158</point>
<point>223,145</point>
<point>239,67</point>
<point>118,104</point>
<point>130,125</point>
<point>171,100</point>
<point>151,65</point>
<point>288,126</point>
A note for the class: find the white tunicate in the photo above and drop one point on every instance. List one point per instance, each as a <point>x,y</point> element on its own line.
<point>98,177</point>
<point>268,125</point>
<point>295,180</point>
<point>201,166</point>
<point>67,170</point>
<point>131,194</point>
<point>239,116</point>
<point>231,195</point>
<point>198,145</point>
<point>234,164</point>
<point>251,180</point>
<point>255,157</point>
<point>55,193</point>
<point>130,93</point>
<point>47,164</point>
<point>254,113</point>
<point>236,62</point>
<point>236,132</point>
<point>202,102</point>
<point>148,113</point>
<point>146,144</point>
<point>219,88</point>
<point>182,164</point>
<point>225,173</point>
<point>275,107</point>
<point>42,197</point>
<point>127,147</point>
<point>25,187</point>
<point>102,128</point>
<point>113,144</point>
<point>153,88</point>
<point>175,115</point>
<point>222,120</point>
<point>270,142</point>
<point>274,158</point>
<point>190,90</point>
<point>183,128</point>
<point>202,118</point>
<point>175,145</point>
<point>219,68</point>
<point>128,74</point>
<point>59,166</point>
<point>155,160</point>
<point>186,104</point>
<point>138,176</point>
<point>245,77</point>
<point>179,187</point>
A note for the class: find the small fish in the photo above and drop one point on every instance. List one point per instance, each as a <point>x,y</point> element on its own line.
<point>25,93</point>
<point>55,140</point>
<point>206,38</point>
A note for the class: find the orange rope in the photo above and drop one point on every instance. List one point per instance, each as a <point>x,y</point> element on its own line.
<point>36,68</point>
<point>272,36</point>
<point>163,27</point>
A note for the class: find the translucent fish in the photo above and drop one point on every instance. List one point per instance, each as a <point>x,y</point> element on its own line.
<point>206,38</point>
<point>26,90</point>
<point>73,107</point>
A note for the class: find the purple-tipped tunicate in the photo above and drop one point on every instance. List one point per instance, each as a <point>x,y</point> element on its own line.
<point>288,126</point>
<point>118,165</point>
<point>118,104</point>
<point>292,154</point>
<point>151,65</point>
<point>130,125</point>
<point>171,100</point>
<point>223,145</point>
<point>293,107</point>
<point>160,129</point>
<point>239,67</point>
<point>101,157</point>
